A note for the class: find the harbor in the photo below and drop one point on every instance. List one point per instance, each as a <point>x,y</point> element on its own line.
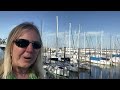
<point>81,63</point>
<point>75,49</point>
<point>81,55</point>
<point>77,68</point>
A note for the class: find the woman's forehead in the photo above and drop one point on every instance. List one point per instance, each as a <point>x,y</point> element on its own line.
<point>29,33</point>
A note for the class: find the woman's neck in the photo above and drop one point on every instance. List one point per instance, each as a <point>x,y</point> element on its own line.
<point>20,73</point>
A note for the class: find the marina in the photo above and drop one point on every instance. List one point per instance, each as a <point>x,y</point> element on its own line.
<point>82,69</point>
<point>79,61</point>
<point>73,49</point>
<point>67,68</point>
<point>89,57</point>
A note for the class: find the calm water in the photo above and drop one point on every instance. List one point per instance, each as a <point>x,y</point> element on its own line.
<point>1,54</point>
<point>97,72</point>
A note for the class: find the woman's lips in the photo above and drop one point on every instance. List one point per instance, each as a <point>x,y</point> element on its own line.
<point>27,57</point>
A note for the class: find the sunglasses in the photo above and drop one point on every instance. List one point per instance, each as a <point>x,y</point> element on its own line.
<point>23,43</point>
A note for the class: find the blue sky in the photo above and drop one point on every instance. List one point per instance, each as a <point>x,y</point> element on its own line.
<point>107,21</point>
<point>90,21</point>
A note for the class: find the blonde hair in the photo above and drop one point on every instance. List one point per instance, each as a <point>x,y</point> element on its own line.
<point>14,34</point>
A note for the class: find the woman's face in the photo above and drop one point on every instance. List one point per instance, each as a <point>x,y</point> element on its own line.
<point>25,57</point>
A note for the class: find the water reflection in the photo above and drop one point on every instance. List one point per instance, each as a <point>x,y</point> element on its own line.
<point>1,54</point>
<point>97,72</point>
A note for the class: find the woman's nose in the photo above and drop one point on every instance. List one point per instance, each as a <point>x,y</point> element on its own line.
<point>30,48</point>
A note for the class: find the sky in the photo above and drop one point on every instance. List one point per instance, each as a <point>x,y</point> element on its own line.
<point>90,21</point>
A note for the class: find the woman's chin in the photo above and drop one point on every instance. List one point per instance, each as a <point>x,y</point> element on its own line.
<point>25,65</point>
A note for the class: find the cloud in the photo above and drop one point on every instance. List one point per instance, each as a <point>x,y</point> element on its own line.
<point>94,33</point>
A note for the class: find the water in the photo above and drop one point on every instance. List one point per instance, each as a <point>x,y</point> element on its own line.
<point>1,54</point>
<point>97,72</point>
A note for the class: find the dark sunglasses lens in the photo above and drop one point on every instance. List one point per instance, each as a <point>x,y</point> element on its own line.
<point>36,45</point>
<point>22,43</point>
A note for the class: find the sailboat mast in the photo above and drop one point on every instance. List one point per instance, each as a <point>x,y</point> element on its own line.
<point>69,37</point>
<point>79,37</point>
<point>41,28</point>
<point>56,36</point>
<point>101,42</point>
<point>96,47</point>
<point>84,41</point>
